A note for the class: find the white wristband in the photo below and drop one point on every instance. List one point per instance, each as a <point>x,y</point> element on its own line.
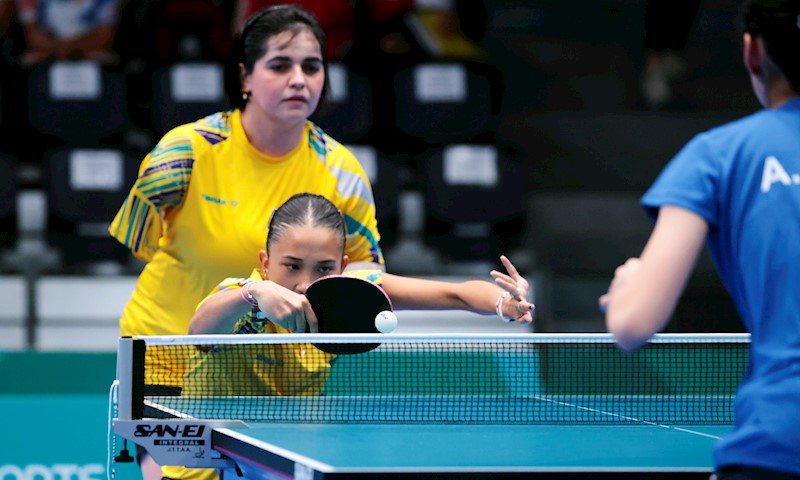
<point>499,307</point>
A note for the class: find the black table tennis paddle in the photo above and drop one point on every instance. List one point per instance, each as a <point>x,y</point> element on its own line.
<point>345,304</point>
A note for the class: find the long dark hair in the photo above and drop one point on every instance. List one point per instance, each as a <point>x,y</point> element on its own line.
<point>251,44</point>
<point>778,24</point>
<point>305,209</point>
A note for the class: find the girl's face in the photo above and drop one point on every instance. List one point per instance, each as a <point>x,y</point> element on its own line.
<point>286,83</point>
<point>303,254</point>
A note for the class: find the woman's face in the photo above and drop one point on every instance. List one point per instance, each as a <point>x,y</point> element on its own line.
<point>303,254</point>
<point>287,82</point>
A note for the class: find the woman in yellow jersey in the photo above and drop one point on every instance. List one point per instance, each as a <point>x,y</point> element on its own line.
<point>305,242</point>
<point>202,193</point>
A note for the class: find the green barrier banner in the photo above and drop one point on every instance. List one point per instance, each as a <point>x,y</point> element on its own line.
<point>54,409</point>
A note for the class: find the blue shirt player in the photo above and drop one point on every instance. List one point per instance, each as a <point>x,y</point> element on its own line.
<point>736,188</point>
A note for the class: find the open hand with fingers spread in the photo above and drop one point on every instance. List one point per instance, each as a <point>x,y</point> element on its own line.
<point>518,308</point>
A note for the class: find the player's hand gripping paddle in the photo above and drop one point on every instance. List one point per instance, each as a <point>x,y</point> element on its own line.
<point>344,304</point>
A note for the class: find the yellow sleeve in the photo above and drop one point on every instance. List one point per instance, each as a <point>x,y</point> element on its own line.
<point>161,186</point>
<point>358,208</point>
<point>363,239</point>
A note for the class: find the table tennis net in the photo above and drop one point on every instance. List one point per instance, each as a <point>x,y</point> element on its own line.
<point>514,379</point>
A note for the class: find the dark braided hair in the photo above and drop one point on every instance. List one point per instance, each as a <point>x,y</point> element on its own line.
<point>251,44</point>
<point>305,209</point>
<point>778,25</point>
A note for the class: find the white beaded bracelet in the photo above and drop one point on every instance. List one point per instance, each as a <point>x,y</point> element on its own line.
<point>499,307</point>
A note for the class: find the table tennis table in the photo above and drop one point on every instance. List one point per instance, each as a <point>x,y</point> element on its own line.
<point>595,442</point>
<point>351,450</point>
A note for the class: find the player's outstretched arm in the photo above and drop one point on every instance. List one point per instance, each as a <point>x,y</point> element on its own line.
<point>477,296</point>
<point>644,291</point>
<point>219,312</point>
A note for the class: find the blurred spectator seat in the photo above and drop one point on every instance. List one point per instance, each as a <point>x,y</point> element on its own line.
<point>14,314</point>
<point>85,187</point>
<point>186,91</point>
<point>9,187</point>
<point>448,102</point>
<point>348,115</point>
<point>79,312</point>
<point>30,255</point>
<point>473,201</point>
<point>387,177</point>
<point>77,101</point>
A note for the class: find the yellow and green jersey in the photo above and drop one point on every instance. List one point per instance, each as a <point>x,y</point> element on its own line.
<point>200,208</point>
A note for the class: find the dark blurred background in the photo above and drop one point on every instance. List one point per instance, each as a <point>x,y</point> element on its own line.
<point>524,127</point>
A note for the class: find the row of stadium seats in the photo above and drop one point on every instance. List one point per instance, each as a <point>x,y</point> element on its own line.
<point>436,136</point>
<point>85,102</point>
<point>472,202</point>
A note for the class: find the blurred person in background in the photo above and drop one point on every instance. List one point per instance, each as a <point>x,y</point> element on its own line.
<point>69,30</point>
<point>667,27</point>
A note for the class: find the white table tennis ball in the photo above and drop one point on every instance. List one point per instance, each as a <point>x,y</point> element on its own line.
<point>386,321</point>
